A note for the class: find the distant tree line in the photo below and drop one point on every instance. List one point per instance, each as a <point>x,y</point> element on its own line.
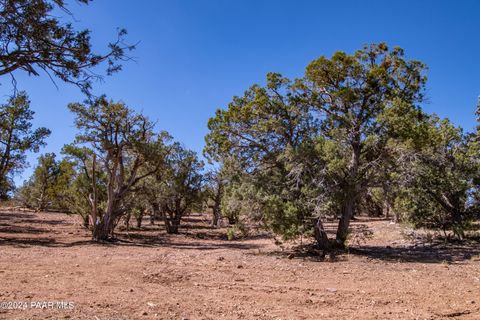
<point>117,166</point>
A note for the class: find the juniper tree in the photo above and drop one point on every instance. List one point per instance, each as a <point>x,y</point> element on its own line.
<point>316,144</point>
<point>34,37</point>
<point>441,185</point>
<point>268,135</point>
<point>213,194</point>
<point>17,137</point>
<point>350,93</point>
<point>124,143</point>
<point>181,186</point>
<point>79,197</point>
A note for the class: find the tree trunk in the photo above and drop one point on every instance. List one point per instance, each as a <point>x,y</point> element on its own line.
<point>351,192</point>
<point>94,190</point>
<point>215,219</point>
<point>103,229</point>
<point>386,209</point>
<point>155,214</point>
<point>139,219</point>
<point>86,221</point>
<point>166,221</point>
<point>387,203</point>
<point>321,237</point>
<point>232,219</point>
<point>104,226</point>
<point>174,227</point>
<point>344,223</point>
<point>127,221</point>
<point>152,218</point>
<point>216,210</point>
<point>216,215</point>
<point>176,222</point>
<point>172,222</point>
<point>458,225</point>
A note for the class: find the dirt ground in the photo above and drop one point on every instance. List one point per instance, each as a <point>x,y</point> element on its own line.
<point>199,274</point>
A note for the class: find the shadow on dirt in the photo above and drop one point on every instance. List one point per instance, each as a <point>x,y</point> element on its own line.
<point>22,229</point>
<point>25,230</point>
<point>8,216</point>
<point>119,242</point>
<point>444,253</point>
<point>4,228</point>
<point>449,252</point>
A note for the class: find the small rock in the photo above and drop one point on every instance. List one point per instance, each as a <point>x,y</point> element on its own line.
<point>151,304</point>
<point>239,266</point>
<point>145,313</point>
<point>332,289</point>
<point>291,256</point>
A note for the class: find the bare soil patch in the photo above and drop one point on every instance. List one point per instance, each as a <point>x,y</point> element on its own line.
<point>199,274</point>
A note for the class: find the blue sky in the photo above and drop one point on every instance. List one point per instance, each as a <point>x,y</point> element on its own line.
<point>193,56</point>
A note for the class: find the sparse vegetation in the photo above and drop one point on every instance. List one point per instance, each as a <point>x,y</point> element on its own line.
<point>342,164</point>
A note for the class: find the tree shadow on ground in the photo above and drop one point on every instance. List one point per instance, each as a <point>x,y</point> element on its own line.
<point>449,252</point>
<point>121,242</point>
<point>19,233</point>
<point>446,253</point>
<point>40,221</point>
<point>8,216</point>
<point>21,229</point>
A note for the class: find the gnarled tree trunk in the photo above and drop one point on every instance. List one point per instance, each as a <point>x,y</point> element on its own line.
<point>104,226</point>
<point>103,229</point>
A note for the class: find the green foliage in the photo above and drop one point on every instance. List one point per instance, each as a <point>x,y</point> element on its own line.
<point>180,186</point>
<point>128,148</point>
<point>48,184</point>
<point>266,135</point>
<point>440,190</point>
<point>77,197</point>
<point>35,38</point>
<point>16,138</point>
<point>312,147</point>
<point>347,138</point>
<point>231,233</point>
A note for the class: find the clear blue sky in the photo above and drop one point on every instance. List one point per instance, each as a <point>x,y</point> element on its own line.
<point>193,56</point>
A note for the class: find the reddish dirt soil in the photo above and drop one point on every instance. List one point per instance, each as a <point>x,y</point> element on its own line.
<point>199,274</point>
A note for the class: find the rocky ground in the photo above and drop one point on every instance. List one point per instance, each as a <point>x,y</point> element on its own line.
<point>49,269</point>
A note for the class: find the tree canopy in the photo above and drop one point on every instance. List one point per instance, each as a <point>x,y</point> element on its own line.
<point>16,138</point>
<point>34,39</point>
